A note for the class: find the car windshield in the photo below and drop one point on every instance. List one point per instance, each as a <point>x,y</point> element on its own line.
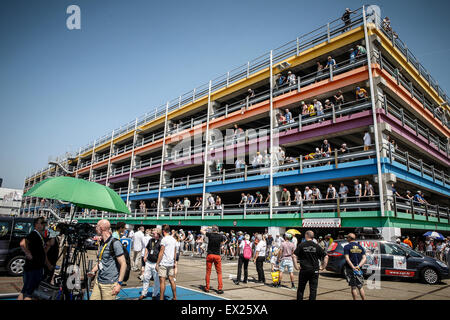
<point>411,252</point>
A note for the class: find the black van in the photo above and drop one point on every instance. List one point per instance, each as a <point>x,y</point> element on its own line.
<point>12,231</point>
<point>392,260</point>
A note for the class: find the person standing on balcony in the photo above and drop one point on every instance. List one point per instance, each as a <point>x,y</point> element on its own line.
<point>212,202</point>
<point>311,110</point>
<point>361,94</point>
<point>319,109</point>
<point>353,53</point>
<point>328,105</point>
<point>288,116</point>
<point>187,203</point>
<point>368,190</point>
<point>360,51</point>
<point>218,203</point>
<point>339,100</point>
<point>285,197</point>
<point>298,196</point>
<point>331,192</point>
<point>307,195</point>
<point>316,194</point>
<point>358,190</point>
<point>215,241</point>
<point>346,18</point>
<point>319,70</point>
<point>292,79</point>
<point>250,200</point>
<point>331,63</point>
<point>343,192</point>
<point>367,141</point>
<point>304,108</point>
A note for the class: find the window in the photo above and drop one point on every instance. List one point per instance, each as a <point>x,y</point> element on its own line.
<point>5,227</point>
<point>389,248</point>
<point>22,229</point>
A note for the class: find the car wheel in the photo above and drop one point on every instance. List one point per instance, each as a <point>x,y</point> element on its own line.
<point>15,266</point>
<point>430,276</point>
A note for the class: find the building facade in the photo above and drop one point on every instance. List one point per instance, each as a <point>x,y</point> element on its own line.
<point>276,143</point>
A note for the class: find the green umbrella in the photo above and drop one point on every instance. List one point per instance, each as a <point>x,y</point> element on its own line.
<point>80,192</point>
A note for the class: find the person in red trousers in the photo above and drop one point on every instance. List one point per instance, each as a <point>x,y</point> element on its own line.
<point>215,240</point>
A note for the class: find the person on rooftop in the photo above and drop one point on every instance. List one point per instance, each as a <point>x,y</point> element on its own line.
<point>346,18</point>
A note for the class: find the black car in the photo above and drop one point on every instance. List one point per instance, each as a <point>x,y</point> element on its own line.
<point>391,259</point>
<point>12,231</point>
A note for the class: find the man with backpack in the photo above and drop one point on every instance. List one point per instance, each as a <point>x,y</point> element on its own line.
<point>245,254</point>
<point>150,258</point>
<point>111,266</point>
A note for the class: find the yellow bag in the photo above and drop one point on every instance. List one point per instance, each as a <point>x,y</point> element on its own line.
<point>275,276</point>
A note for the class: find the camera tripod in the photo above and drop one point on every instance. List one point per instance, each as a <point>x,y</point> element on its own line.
<point>73,264</point>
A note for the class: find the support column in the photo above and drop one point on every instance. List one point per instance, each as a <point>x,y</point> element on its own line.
<point>276,231</point>
<point>390,233</point>
<point>388,179</point>
<point>213,107</point>
<point>276,195</point>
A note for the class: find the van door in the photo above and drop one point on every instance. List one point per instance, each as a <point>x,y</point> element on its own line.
<point>5,238</point>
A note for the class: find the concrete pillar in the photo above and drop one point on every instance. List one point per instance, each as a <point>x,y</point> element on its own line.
<point>168,151</point>
<point>276,196</point>
<point>390,233</point>
<point>274,231</point>
<point>213,107</point>
<point>166,177</point>
<point>136,160</point>
<point>164,203</point>
<point>134,184</point>
<point>384,133</point>
<point>387,180</point>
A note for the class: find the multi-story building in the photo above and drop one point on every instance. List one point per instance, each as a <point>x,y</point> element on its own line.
<point>395,131</point>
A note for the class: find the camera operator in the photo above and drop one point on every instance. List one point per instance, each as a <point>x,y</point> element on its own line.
<point>35,259</point>
<point>52,251</point>
<point>109,278</point>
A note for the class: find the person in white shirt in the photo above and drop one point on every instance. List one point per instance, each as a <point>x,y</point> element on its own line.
<point>367,140</point>
<point>136,253</point>
<point>291,78</point>
<point>331,192</point>
<point>166,262</point>
<point>298,196</point>
<point>145,241</point>
<point>307,195</point>
<point>260,256</point>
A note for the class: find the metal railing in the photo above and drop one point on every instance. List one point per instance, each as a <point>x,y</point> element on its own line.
<point>414,92</point>
<point>409,56</point>
<point>295,47</point>
<point>416,208</point>
<point>404,157</point>
<point>391,108</point>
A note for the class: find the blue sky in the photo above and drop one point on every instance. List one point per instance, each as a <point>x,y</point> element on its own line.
<point>61,89</point>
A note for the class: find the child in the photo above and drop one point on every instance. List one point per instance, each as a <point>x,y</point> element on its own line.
<point>275,266</point>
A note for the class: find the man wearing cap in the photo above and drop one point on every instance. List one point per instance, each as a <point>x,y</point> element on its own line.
<point>286,197</point>
<point>355,257</point>
<point>291,78</point>
<point>361,94</point>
